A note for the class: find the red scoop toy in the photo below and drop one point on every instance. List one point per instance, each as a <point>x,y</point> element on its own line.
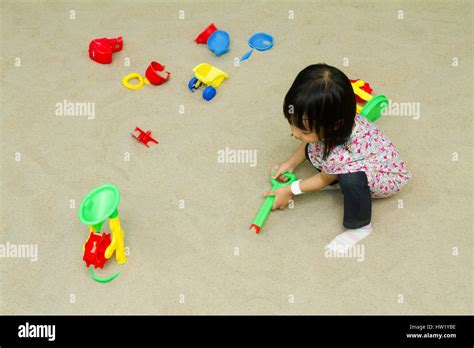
<point>100,50</point>
<point>204,35</point>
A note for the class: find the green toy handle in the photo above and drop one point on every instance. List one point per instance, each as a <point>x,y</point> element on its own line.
<point>102,280</point>
<point>266,208</point>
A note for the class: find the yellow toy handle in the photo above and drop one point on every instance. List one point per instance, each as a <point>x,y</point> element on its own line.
<point>360,92</point>
<point>117,243</point>
<point>141,81</point>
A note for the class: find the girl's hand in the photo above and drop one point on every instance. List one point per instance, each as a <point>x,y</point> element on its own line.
<point>282,197</point>
<point>282,168</point>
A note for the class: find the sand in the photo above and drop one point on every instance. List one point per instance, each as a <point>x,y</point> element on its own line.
<point>185,214</point>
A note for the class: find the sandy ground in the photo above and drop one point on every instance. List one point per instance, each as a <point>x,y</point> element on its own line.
<point>201,259</point>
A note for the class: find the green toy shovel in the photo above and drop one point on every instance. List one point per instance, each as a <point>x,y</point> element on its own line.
<point>99,205</point>
<point>268,204</point>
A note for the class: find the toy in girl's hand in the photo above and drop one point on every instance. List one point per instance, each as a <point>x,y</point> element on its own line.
<point>266,208</point>
<point>98,206</point>
<point>374,105</point>
<point>100,50</point>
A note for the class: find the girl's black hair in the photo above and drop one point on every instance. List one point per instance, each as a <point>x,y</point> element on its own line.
<point>321,99</point>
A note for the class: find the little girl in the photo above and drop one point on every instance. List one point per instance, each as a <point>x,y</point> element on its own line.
<point>346,149</point>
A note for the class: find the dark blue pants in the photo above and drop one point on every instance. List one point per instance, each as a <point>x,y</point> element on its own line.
<point>357,198</point>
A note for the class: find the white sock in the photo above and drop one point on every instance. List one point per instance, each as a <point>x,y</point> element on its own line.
<point>348,239</point>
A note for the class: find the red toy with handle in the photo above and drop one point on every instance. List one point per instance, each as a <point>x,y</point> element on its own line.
<point>100,50</point>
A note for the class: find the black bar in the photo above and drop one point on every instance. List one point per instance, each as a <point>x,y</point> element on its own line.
<point>219,330</point>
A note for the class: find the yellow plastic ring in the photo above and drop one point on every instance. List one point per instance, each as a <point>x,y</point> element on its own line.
<point>131,76</point>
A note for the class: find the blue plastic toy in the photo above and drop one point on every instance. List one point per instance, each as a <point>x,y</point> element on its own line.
<point>260,42</point>
<point>219,42</point>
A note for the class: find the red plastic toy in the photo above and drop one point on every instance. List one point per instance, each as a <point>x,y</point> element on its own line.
<point>154,73</point>
<point>100,50</point>
<point>94,249</point>
<point>204,35</point>
<point>366,87</point>
<point>144,137</point>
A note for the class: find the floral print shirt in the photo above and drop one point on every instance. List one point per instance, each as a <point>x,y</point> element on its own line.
<point>367,150</point>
